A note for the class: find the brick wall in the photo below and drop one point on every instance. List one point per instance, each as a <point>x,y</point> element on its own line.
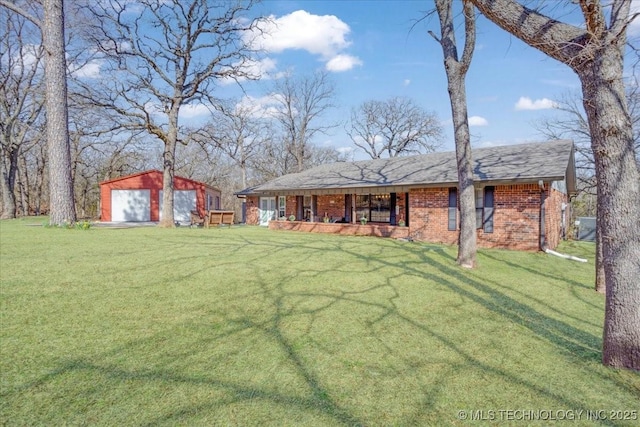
<point>331,205</point>
<point>252,207</point>
<point>553,217</point>
<point>516,217</point>
<point>428,216</point>
<point>292,206</point>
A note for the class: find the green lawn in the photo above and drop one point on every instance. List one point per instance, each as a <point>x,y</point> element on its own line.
<point>246,326</point>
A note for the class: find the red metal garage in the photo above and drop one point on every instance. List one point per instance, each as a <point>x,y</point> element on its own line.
<point>138,197</point>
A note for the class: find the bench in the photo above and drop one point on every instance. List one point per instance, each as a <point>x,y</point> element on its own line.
<point>196,220</point>
<point>219,218</point>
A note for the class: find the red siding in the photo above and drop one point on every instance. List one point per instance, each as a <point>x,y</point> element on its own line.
<point>152,180</point>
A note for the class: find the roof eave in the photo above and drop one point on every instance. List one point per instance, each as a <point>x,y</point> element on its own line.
<point>398,188</point>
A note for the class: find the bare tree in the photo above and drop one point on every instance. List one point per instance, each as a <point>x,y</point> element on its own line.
<point>165,55</point>
<point>61,201</point>
<point>395,127</point>
<point>238,133</point>
<point>21,100</point>
<point>456,69</point>
<point>569,121</point>
<point>301,102</point>
<point>595,52</point>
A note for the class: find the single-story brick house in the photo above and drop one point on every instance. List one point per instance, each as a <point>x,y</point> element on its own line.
<point>522,197</point>
<point>138,198</point>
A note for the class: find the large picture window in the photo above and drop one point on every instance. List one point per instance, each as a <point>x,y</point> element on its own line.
<point>374,207</point>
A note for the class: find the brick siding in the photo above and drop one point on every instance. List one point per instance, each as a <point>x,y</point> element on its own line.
<point>516,217</point>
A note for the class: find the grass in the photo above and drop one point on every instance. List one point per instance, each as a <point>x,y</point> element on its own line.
<point>245,326</point>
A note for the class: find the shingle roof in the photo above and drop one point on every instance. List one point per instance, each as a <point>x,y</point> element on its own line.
<point>548,161</point>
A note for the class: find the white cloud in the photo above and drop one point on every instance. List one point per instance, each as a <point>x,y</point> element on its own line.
<point>153,108</point>
<point>262,107</point>
<point>26,58</point>
<point>525,103</point>
<point>406,82</point>
<point>90,70</point>
<point>259,69</point>
<point>322,35</point>
<point>190,111</point>
<point>478,121</point>
<point>342,63</point>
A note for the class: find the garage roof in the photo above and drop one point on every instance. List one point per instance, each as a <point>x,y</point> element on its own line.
<point>156,172</point>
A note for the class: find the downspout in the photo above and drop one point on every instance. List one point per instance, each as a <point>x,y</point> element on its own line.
<point>543,237</point>
<point>543,242</point>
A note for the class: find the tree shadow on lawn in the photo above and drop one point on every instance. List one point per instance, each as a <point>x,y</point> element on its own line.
<point>574,284</point>
<point>318,397</point>
<point>561,334</point>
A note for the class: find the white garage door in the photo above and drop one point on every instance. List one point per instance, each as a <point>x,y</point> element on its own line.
<point>130,205</point>
<point>184,201</point>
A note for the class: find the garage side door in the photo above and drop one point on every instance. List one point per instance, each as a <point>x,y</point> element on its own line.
<point>184,201</point>
<point>130,205</point>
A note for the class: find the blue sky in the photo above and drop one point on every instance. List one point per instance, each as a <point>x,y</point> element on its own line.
<point>373,51</point>
<point>378,49</point>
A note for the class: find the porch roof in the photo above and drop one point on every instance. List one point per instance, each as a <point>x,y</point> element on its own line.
<point>508,164</point>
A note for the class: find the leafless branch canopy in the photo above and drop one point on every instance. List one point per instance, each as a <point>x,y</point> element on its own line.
<point>397,126</point>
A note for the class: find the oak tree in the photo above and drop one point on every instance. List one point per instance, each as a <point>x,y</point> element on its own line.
<point>394,127</point>
<point>595,52</point>
<point>165,55</point>
<point>456,69</point>
<point>61,200</point>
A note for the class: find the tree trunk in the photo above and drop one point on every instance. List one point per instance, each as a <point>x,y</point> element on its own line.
<point>61,202</point>
<point>601,286</point>
<point>456,71</point>
<point>169,166</point>
<point>8,184</point>
<point>467,244</point>
<point>595,53</point>
<point>618,204</point>
<point>168,173</point>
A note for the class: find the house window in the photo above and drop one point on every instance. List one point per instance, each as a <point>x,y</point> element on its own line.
<point>308,211</point>
<point>310,204</point>
<point>453,208</point>
<point>374,207</point>
<point>484,209</point>
<point>282,207</point>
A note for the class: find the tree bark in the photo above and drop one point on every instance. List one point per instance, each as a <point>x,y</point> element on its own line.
<point>601,285</point>
<point>456,72</point>
<point>8,183</point>
<point>595,53</point>
<point>618,204</point>
<point>168,173</point>
<point>61,201</point>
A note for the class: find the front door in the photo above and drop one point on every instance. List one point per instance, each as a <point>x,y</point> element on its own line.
<point>267,210</point>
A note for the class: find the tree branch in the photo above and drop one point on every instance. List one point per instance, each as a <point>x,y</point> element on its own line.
<point>11,6</point>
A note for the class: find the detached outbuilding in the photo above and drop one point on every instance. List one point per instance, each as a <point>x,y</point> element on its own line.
<point>138,198</point>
